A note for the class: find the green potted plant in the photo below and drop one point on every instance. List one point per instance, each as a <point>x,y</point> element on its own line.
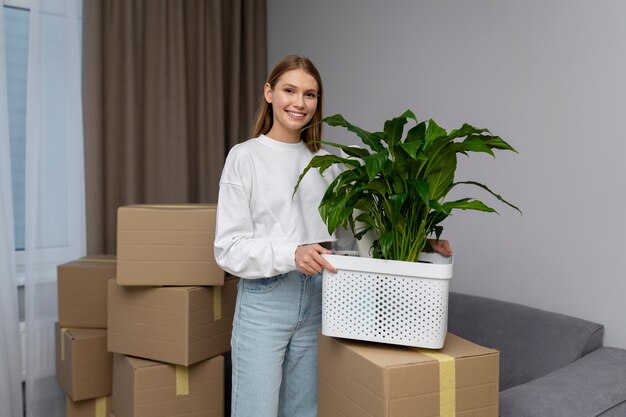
<point>395,188</point>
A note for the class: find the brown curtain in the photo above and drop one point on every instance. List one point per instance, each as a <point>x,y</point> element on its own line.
<point>169,87</point>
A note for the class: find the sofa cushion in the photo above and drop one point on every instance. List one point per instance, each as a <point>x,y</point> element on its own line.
<point>532,342</point>
<point>594,385</point>
<point>618,411</point>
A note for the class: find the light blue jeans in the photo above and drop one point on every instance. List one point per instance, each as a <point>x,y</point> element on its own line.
<point>274,346</point>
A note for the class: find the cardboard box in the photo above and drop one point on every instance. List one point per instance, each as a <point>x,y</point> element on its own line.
<point>167,245</point>
<point>368,379</point>
<point>143,388</point>
<point>82,291</point>
<point>96,407</point>
<point>179,325</point>
<point>83,365</point>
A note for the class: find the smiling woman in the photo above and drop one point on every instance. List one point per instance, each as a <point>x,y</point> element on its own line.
<point>273,239</point>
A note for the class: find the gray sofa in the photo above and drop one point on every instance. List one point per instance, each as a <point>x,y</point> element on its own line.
<point>551,365</point>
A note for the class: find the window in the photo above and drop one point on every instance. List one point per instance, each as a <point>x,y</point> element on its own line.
<point>16,26</point>
<point>16,22</point>
<point>16,38</point>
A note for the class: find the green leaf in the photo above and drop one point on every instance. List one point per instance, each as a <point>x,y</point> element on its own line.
<point>441,178</point>
<point>396,201</point>
<point>433,133</point>
<point>436,217</point>
<point>386,242</point>
<point>379,186</point>
<point>411,148</point>
<point>416,134</point>
<point>375,163</point>
<point>484,187</point>
<point>323,162</point>
<point>496,142</point>
<point>332,189</point>
<point>335,213</point>
<point>366,205</point>
<point>370,139</point>
<point>366,219</point>
<point>465,130</point>
<point>398,184</point>
<point>354,151</point>
<point>423,190</point>
<point>467,204</point>
<point>394,127</point>
<point>472,144</point>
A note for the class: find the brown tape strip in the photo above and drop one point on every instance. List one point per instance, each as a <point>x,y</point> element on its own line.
<point>217,303</point>
<point>96,260</point>
<point>182,380</point>
<point>101,407</point>
<point>447,381</point>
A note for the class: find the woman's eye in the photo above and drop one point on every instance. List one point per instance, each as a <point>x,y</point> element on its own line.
<point>289,90</point>
<point>311,95</point>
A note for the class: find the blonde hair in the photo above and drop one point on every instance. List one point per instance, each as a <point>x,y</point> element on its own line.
<point>312,132</point>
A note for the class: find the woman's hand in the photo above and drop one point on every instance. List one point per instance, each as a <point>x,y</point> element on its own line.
<point>309,259</point>
<point>442,247</point>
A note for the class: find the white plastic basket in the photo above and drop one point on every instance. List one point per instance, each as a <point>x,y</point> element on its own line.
<point>400,303</point>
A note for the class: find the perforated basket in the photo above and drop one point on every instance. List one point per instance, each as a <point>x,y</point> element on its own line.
<point>400,303</point>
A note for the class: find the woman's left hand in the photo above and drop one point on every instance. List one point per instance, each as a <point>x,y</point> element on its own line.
<point>442,247</point>
<point>309,260</point>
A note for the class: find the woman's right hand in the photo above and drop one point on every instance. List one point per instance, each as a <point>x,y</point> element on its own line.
<point>441,246</point>
<point>309,259</point>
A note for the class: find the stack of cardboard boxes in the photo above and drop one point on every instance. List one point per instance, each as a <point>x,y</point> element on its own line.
<point>144,337</point>
<point>83,364</point>
<point>168,313</point>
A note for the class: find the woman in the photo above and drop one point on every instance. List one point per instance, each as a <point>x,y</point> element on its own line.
<point>274,240</point>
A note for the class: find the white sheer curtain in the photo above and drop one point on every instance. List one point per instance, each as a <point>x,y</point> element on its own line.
<point>10,373</point>
<point>55,197</point>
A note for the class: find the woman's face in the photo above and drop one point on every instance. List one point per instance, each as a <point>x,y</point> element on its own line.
<point>294,101</point>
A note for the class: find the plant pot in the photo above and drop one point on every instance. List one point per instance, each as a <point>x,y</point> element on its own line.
<point>394,302</point>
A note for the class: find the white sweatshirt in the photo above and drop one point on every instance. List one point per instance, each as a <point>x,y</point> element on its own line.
<point>259,224</point>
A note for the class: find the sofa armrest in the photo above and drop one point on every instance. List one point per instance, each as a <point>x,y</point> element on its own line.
<point>594,385</point>
<point>532,342</point>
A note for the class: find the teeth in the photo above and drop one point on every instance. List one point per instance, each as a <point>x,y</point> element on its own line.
<point>296,114</point>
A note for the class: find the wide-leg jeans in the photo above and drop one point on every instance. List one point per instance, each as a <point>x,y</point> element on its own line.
<point>274,346</point>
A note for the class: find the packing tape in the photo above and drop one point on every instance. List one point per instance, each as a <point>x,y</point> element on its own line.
<point>167,206</point>
<point>63,330</point>
<point>182,380</point>
<point>101,407</point>
<point>217,303</point>
<point>96,260</point>
<point>447,381</point>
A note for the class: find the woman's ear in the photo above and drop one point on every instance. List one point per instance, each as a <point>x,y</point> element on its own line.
<point>267,92</point>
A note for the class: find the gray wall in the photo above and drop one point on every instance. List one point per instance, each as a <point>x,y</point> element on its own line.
<point>549,77</point>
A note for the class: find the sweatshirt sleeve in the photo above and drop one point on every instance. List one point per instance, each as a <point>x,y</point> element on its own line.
<point>236,250</point>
